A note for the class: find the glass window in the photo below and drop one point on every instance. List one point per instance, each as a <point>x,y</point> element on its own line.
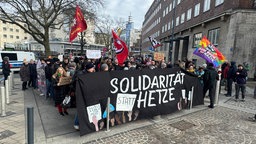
<point>169,25</point>
<point>4,28</point>
<point>218,2</point>
<point>163,13</point>
<point>207,4</point>
<point>11,29</point>
<point>5,36</point>
<point>197,10</point>
<point>25,38</point>
<point>166,11</point>
<point>170,7</point>
<point>12,56</point>
<point>17,30</point>
<point>11,36</point>
<point>177,21</point>
<point>165,28</point>
<point>17,37</point>
<point>189,12</point>
<point>174,3</point>
<point>162,29</point>
<point>197,39</point>
<point>182,18</point>
<point>178,2</point>
<point>213,36</point>
<point>172,24</point>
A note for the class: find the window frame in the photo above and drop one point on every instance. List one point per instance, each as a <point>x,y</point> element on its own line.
<point>218,2</point>
<point>182,18</point>
<point>197,38</point>
<point>207,5</point>
<point>213,36</point>
<point>197,10</point>
<point>189,14</point>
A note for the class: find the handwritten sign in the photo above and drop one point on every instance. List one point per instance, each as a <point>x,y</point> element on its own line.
<point>65,81</point>
<point>158,56</point>
<point>93,112</point>
<point>93,54</point>
<point>125,102</point>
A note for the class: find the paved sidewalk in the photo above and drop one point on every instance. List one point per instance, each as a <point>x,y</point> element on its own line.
<point>227,123</point>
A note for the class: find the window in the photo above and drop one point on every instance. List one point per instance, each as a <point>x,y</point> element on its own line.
<point>178,2</point>
<point>207,4</point>
<point>213,36</point>
<point>4,22</point>
<point>11,36</point>
<point>5,36</point>
<point>197,39</point>
<point>174,3</point>
<point>189,12</point>
<point>182,18</point>
<point>165,28</point>
<point>177,21</point>
<point>172,24</point>
<point>17,37</point>
<point>218,2</point>
<point>25,38</point>
<point>162,29</point>
<point>4,28</point>
<point>17,30</point>
<point>197,10</point>
<point>170,7</point>
<point>11,29</point>
<point>166,11</point>
<point>163,13</point>
<point>169,25</point>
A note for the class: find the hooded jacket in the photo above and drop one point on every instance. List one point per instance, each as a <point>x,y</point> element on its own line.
<point>232,71</point>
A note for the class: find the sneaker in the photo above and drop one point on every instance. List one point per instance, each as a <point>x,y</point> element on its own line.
<point>76,127</point>
<point>242,100</point>
<point>210,106</point>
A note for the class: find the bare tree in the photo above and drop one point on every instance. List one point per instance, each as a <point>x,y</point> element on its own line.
<point>104,24</point>
<point>37,17</point>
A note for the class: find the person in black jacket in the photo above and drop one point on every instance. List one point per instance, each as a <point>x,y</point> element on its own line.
<point>209,78</point>
<point>33,74</point>
<point>240,81</point>
<point>6,68</point>
<point>230,78</point>
<point>48,76</point>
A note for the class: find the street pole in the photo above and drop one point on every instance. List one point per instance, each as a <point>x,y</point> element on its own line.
<point>172,32</point>
<point>82,43</point>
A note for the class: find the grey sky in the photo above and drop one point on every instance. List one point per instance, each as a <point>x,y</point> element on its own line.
<point>123,8</point>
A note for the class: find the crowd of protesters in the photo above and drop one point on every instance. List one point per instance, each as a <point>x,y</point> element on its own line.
<point>45,75</point>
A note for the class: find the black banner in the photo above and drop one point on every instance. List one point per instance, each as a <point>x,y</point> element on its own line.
<point>133,95</point>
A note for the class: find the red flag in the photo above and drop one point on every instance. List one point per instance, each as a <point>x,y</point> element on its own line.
<point>121,48</point>
<point>79,24</point>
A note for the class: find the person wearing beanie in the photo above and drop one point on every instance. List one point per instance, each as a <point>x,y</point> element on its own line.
<point>231,78</point>
<point>209,78</point>
<point>90,67</point>
<point>6,69</point>
<point>240,81</point>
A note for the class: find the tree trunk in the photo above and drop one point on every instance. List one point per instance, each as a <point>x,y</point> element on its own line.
<point>47,43</point>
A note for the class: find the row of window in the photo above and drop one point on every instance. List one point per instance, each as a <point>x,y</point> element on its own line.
<point>213,37</point>
<point>11,29</point>
<point>181,19</point>
<point>11,36</point>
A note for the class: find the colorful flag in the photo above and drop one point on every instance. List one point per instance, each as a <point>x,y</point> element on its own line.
<point>120,48</point>
<point>154,42</point>
<point>209,52</point>
<point>79,24</point>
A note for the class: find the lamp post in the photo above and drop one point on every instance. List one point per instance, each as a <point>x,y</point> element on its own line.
<point>172,32</point>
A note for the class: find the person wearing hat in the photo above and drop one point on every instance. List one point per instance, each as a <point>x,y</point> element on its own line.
<point>24,74</point>
<point>90,68</point>
<point>6,68</point>
<point>240,81</point>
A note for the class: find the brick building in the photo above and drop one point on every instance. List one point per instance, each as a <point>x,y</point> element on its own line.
<point>229,24</point>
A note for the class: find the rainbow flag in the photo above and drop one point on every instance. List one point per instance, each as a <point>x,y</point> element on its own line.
<point>209,52</point>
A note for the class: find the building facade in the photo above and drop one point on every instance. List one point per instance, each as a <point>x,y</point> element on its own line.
<point>229,25</point>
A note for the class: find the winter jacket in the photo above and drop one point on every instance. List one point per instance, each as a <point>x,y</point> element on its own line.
<point>210,77</point>
<point>49,72</point>
<point>24,73</point>
<point>232,71</point>
<point>6,68</point>
<point>241,77</point>
<point>32,70</point>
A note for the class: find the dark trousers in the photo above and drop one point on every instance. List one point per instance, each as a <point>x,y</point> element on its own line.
<point>211,93</point>
<point>49,89</point>
<point>238,87</point>
<point>32,82</point>
<point>24,85</point>
<point>229,86</point>
<point>5,78</point>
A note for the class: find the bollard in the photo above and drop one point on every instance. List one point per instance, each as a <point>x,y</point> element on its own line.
<point>191,98</point>
<point>3,110</point>
<point>30,125</point>
<point>108,111</point>
<point>12,79</point>
<point>9,82</point>
<point>217,90</point>
<point>7,91</point>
